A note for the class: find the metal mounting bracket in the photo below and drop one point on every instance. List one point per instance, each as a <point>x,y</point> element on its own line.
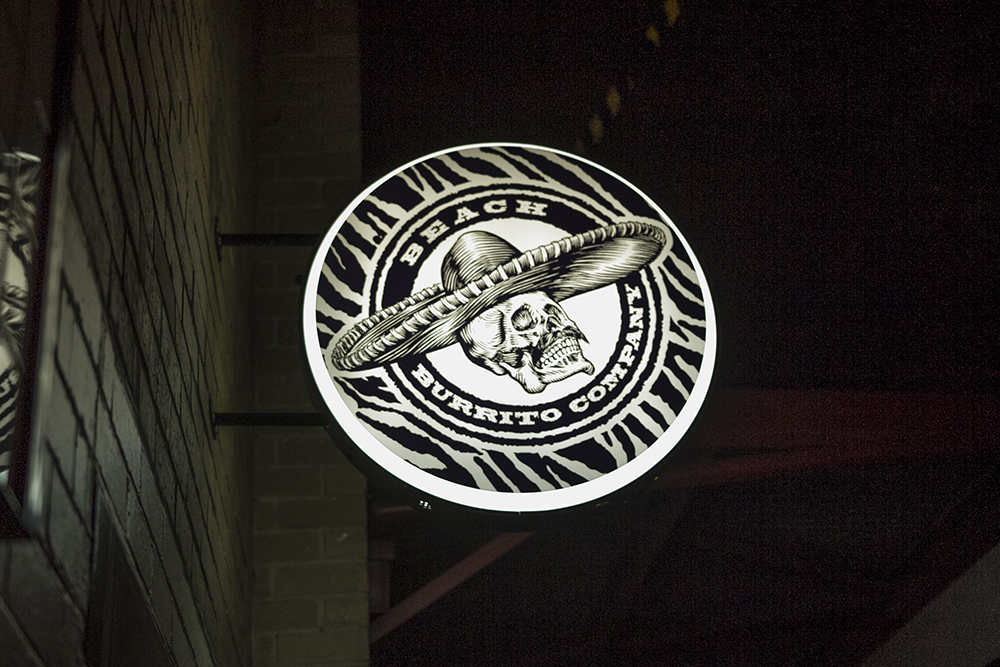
<point>231,240</point>
<point>217,419</point>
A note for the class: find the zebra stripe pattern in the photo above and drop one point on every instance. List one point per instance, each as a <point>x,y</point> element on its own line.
<point>650,330</point>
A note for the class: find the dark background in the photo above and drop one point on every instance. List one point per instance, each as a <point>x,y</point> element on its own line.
<point>835,167</point>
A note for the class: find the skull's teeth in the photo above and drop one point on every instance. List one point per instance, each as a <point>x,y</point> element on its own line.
<point>566,349</point>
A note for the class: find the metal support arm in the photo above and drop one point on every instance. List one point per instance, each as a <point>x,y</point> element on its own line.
<point>218,419</point>
<point>300,240</point>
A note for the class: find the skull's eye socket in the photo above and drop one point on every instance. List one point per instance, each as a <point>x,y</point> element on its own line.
<point>552,310</point>
<point>522,319</point>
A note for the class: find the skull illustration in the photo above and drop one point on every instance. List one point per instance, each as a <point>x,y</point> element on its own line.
<point>528,337</point>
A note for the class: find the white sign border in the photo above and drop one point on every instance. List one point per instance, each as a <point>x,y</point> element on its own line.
<point>500,501</point>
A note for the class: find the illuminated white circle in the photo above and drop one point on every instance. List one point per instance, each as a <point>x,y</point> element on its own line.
<point>378,236</point>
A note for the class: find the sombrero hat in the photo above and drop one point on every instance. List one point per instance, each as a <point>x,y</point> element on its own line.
<point>480,271</point>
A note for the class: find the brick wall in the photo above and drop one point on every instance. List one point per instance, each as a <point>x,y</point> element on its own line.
<point>149,327</point>
<point>311,604</point>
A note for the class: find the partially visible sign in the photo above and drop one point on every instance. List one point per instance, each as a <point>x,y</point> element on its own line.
<point>509,327</point>
<point>19,175</point>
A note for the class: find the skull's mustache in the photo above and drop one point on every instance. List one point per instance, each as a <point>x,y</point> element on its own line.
<point>566,341</point>
<point>550,337</point>
<point>560,358</point>
<point>551,347</point>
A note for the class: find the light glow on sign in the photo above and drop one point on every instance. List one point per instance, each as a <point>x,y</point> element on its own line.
<point>509,327</point>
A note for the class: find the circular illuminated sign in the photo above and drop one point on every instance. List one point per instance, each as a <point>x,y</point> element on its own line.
<point>509,327</point>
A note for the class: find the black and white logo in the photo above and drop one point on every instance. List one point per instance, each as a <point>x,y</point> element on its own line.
<point>509,327</point>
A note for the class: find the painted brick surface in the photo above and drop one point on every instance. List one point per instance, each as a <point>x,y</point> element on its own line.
<point>310,539</point>
<point>149,327</point>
